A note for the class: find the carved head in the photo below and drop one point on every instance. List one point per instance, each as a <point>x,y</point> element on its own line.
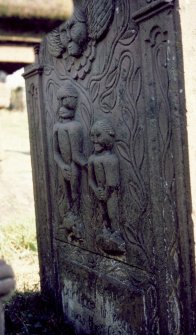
<point>102,135</point>
<point>73,33</point>
<point>68,98</point>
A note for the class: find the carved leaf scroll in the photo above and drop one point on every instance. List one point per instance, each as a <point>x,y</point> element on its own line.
<point>128,119</point>
<point>137,84</point>
<point>123,150</point>
<point>95,90</point>
<point>111,77</point>
<point>108,100</point>
<point>139,147</point>
<point>52,99</point>
<point>129,36</point>
<point>86,117</point>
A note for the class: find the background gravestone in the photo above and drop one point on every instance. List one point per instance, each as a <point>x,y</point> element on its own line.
<point>109,156</point>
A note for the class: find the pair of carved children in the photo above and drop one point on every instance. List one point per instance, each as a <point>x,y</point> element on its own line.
<point>102,165</point>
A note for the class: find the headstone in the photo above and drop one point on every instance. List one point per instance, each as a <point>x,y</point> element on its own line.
<point>111,181</point>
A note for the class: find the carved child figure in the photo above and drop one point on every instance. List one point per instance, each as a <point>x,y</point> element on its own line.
<point>104,180</point>
<point>68,145</point>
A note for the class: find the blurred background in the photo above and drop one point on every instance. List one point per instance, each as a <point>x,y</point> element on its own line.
<point>23,23</point>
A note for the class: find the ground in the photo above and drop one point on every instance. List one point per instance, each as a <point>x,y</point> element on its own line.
<point>32,314</point>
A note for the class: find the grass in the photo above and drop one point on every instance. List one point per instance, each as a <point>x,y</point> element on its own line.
<point>18,244</point>
<point>19,248</point>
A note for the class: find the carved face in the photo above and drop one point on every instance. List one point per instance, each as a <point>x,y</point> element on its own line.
<point>102,136</point>
<point>73,36</point>
<point>67,107</point>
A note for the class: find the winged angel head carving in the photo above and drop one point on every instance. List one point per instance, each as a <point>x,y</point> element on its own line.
<point>75,39</point>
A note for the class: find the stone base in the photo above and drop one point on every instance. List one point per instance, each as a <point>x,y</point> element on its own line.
<point>98,294</point>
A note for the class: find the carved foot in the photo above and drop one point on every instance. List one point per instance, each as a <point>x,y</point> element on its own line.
<point>111,242</point>
<point>73,227</point>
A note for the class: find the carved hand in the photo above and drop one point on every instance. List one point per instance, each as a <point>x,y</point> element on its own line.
<point>85,166</point>
<point>66,173</point>
<point>101,194</point>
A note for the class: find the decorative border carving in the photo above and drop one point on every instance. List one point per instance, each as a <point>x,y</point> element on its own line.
<point>151,10</point>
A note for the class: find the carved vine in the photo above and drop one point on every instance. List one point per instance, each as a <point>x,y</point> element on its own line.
<point>161,54</point>
<point>126,33</point>
<point>132,151</point>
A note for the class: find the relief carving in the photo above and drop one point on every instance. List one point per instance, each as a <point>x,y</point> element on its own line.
<point>104,181</point>
<point>68,155</point>
<point>75,40</point>
<point>107,89</point>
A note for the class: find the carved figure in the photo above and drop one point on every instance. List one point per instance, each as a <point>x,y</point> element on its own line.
<point>75,39</point>
<point>104,180</point>
<point>73,34</point>
<point>68,145</point>
<point>73,227</point>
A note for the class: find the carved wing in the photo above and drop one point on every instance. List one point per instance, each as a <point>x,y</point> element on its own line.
<point>99,16</point>
<point>55,46</point>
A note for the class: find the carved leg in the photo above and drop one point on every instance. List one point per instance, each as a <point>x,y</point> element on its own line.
<point>113,211</point>
<point>111,241</point>
<point>75,191</point>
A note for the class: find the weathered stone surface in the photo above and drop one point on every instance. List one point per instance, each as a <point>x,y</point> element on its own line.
<point>7,284</point>
<point>108,141</point>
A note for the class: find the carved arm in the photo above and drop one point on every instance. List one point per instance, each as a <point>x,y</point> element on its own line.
<point>57,155</point>
<point>91,177</point>
<point>76,148</point>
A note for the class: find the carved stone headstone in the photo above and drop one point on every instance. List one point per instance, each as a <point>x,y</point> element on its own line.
<point>109,156</point>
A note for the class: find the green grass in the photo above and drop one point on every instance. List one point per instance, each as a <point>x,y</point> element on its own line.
<point>17,237</point>
<point>18,244</point>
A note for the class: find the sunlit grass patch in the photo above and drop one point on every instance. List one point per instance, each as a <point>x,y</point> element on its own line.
<point>18,246</point>
<point>18,237</point>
